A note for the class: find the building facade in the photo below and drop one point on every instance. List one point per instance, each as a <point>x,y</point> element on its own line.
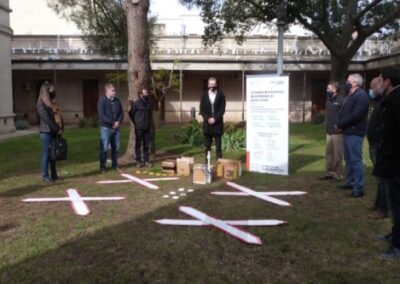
<point>61,54</point>
<point>6,93</point>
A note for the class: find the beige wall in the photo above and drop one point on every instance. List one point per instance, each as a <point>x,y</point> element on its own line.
<point>69,86</point>
<point>6,102</point>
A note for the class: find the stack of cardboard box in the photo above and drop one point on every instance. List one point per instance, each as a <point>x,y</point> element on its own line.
<point>169,166</point>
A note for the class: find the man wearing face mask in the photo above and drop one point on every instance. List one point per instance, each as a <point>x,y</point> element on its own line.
<point>353,124</point>
<point>387,164</point>
<point>374,137</point>
<point>334,139</point>
<point>141,115</point>
<point>111,115</point>
<point>212,109</point>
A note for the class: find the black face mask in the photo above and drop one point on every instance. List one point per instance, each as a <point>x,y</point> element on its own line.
<point>52,94</point>
<point>146,98</point>
<point>213,89</point>
<point>347,88</point>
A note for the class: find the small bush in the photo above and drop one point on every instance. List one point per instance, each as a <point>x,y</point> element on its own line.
<point>319,117</point>
<point>94,121</point>
<point>231,127</point>
<point>234,140</point>
<point>82,123</point>
<point>21,124</point>
<point>192,134</point>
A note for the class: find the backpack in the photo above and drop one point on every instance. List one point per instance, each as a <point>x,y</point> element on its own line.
<point>58,148</point>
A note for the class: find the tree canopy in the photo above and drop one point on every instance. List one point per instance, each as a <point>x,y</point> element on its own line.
<point>102,21</point>
<point>342,25</point>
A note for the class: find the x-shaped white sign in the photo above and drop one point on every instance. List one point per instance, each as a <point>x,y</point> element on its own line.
<point>227,226</point>
<point>266,196</point>
<point>144,182</point>
<point>77,201</point>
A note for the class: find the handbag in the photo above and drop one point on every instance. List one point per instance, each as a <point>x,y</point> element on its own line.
<point>58,148</point>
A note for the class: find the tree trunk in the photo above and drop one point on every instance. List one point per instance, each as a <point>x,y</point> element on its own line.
<point>339,69</point>
<point>139,69</point>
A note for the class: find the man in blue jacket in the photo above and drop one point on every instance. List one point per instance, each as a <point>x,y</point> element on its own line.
<point>111,115</point>
<point>353,124</point>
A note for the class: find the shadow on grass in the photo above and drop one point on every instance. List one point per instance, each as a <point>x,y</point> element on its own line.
<point>24,190</point>
<point>140,251</point>
<point>299,161</point>
<point>20,191</point>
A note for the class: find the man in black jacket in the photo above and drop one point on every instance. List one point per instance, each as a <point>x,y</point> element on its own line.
<point>353,123</point>
<point>388,157</point>
<point>334,138</point>
<point>141,116</point>
<point>374,137</point>
<point>212,109</point>
<point>111,115</point>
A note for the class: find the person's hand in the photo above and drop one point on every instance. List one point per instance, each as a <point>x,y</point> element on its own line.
<point>116,125</point>
<point>211,120</point>
<point>59,132</point>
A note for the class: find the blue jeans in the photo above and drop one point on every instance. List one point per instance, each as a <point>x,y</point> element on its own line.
<point>352,148</point>
<point>381,200</point>
<point>109,136</point>
<point>45,138</point>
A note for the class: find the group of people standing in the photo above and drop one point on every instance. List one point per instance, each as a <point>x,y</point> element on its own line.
<point>346,125</point>
<point>111,116</point>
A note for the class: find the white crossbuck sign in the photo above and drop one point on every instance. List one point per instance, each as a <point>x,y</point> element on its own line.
<point>144,182</point>
<point>77,201</point>
<point>264,195</point>
<point>227,226</point>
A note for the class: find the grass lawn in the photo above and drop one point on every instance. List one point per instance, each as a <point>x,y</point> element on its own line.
<point>328,239</point>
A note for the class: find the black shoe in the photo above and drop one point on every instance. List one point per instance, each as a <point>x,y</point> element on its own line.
<point>386,238</point>
<point>345,186</point>
<point>391,254</point>
<point>326,177</point>
<point>356,195</point>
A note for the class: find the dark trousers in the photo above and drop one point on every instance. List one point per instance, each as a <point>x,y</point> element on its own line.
<point>208,142</point>
<point>142,138</point>
<point>381,203</point>
<point>393,186</point>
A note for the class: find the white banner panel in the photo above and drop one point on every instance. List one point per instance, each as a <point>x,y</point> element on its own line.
<point>267,136</point>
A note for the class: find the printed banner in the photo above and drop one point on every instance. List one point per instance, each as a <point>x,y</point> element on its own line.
<point>267,136</point>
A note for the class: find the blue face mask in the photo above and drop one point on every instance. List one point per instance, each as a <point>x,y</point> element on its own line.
<point>347,88</point>
<point>372,94</point>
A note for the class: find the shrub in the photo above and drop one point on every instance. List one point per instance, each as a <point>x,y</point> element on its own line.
<point>94,121</point>
<point>82,122</point>
<point>192,134</point>
<point>21,124</point>
<point>234,140</point>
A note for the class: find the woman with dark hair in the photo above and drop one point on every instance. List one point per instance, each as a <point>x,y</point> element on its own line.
<point>51,124</point>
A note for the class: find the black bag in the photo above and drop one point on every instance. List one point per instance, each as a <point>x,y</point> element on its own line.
<point>58,148</point>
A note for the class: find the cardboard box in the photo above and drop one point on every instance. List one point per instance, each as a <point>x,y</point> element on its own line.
<point>169,172</point>
<point>182,167</point>
<point>168,164</point>
<point>230,171</point>
<point>200,174</point>
<point>189,159</point>
<point>234,166</point>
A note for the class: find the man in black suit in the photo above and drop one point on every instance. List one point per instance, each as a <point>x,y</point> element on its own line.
<point>212,109</point>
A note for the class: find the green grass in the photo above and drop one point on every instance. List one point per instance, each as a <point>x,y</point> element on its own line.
<point>328,238</point>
